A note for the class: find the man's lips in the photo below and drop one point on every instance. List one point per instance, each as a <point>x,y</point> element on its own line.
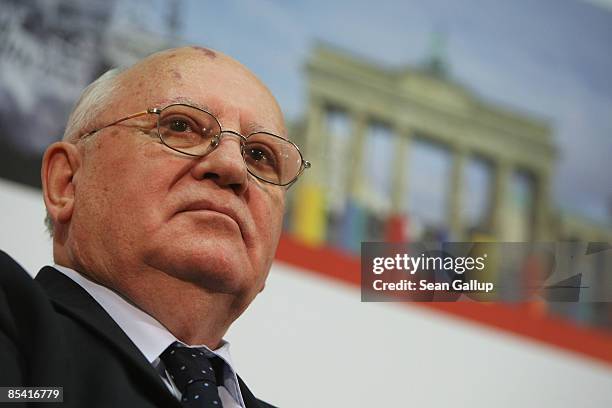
<point>221,209</point>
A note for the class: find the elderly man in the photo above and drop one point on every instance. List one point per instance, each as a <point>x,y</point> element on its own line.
<point>165,200</point>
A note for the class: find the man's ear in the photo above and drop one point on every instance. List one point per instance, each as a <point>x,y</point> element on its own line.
<point>60,164</point>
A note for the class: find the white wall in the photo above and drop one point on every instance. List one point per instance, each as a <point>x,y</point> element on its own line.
<point>310,342</point>
<point>22,230</point>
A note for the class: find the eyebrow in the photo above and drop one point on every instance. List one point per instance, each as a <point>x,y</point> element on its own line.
<point>187,101</point>
<point>254,127</point>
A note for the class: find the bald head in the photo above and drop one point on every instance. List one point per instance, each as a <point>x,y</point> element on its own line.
<point>137,82</point>
<point>198,69</point>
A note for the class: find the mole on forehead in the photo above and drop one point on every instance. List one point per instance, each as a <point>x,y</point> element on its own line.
<point>176,74</point>
<point>207,52</point>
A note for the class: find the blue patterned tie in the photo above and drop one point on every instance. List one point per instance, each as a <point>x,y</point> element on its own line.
<point>192,373</point>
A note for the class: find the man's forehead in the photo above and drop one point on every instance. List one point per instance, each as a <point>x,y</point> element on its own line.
<point>216,84</point>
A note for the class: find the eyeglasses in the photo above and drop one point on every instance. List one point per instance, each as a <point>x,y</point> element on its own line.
<point>195,132</point>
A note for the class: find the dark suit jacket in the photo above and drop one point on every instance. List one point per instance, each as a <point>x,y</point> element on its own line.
<point>53,333</point>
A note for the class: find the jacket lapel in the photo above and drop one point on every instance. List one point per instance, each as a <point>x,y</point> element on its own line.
<point>68,296</point>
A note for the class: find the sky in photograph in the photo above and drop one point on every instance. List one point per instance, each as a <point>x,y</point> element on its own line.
<point>548,58</point>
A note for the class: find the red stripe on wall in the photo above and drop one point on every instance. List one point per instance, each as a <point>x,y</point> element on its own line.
<point>525,320</point>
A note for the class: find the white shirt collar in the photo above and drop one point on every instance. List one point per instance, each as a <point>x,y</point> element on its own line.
<point>149,335</point>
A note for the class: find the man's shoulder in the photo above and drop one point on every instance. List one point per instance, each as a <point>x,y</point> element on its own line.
<point>26,310</point>
<point>27,324</point>
<point>18,288</point>
<point>12,272</point>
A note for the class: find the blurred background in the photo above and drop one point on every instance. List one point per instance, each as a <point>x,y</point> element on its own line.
<point>465,120</point>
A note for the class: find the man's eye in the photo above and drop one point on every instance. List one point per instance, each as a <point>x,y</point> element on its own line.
<point>257,154</point>
<point>260,156</point>
<point>178,125</point>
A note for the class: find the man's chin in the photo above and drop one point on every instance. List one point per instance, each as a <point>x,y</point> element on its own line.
<point>214,272</point>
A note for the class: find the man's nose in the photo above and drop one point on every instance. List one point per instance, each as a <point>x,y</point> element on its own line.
<point>224,164</point>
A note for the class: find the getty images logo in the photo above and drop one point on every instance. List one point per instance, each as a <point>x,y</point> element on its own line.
<point>423,262</point>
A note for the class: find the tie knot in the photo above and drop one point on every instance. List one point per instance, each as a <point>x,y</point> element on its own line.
<point>188,366</point>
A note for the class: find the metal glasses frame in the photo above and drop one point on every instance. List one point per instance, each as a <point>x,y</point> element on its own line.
<point>305,164</point>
